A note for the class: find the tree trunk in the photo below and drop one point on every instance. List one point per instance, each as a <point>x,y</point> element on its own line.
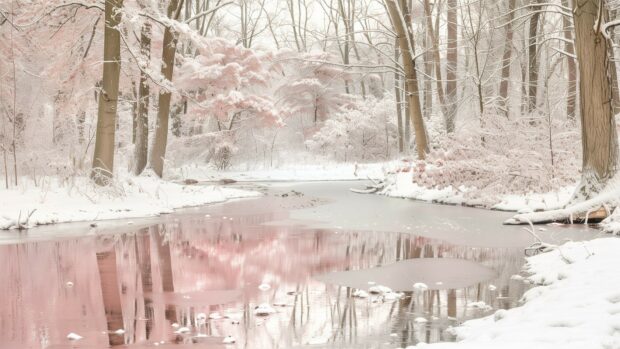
<point>533,57</point>
<point>569,47</point>
<point>428,77</point>
<point>158,151</point>
<point>103,158</point>
<point>142,119</point>
<point>598,127</point>
<point>437,62</point>
<point>452,64</point>
<point>134,112</point>
<point>399,13</point>
<point>346,49</point>
<point>507,61</point>
<point>397,94</point>
<point>176,112</point>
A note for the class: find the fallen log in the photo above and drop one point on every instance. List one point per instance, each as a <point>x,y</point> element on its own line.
<point>371,190</point>
<point>569,215</point>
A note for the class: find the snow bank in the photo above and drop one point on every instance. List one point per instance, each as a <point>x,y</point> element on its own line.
<point>78,199</point>
<point>401,185</point>
<point>608,197</point>
<point>575,305</point>
<point>290,172</point>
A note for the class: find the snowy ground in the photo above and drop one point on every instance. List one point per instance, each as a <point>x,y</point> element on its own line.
<point>401,185</point>
<point>576,304</point>
<point>77,199</point>
<point>291,172</point>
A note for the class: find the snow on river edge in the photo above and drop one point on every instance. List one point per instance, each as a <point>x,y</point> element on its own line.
<point>402,185</point>
<point>398,184</point>
<point>576,304</point>
<point>78,199</point>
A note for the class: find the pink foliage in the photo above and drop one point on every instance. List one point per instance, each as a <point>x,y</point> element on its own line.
<point>515,157</point>
<point>225,79</point>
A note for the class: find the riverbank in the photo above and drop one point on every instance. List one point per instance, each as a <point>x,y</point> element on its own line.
<point>575,304</point>
<point>402,185</point>
<point>51,200</point>
<point>289,172</point>
<point>397,178</point>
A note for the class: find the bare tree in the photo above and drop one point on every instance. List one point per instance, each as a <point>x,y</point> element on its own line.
<point>347,13</point>
<point>598,126</point>
<point>142,119</point>
<point>103,158</point>
<point>158,150</point>
<point>401,20</point>
<point>507,61</point>
<point>533,56</point>
<point>397,98</point>
<point>452,59</point>
<point>434,38</point>
<point>569,47</point>
<point>298,11</point>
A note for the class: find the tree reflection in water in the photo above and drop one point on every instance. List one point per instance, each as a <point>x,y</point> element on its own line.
<point>150,286</point>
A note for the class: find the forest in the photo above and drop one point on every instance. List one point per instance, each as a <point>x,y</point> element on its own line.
<point>475,94</point>
<point>309,174</point>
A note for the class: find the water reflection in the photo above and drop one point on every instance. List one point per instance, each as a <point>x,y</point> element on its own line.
<point>195,283</point>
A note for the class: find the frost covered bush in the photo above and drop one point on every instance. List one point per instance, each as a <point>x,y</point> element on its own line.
<point>365,132</point>
<point>509,156</point>
<point>215,148</point>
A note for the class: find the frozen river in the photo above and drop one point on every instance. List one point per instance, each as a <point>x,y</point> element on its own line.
<point>280,271</point>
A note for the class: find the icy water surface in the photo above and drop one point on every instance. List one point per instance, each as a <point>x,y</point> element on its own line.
<point>264,273</point>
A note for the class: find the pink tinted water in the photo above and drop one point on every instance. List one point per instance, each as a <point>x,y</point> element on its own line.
<point>149,288</point>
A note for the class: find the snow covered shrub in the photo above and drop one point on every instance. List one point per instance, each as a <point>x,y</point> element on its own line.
<point>215,148</point>
<point>507,156</point>
<point>364,132</point>
<point>221,152</point>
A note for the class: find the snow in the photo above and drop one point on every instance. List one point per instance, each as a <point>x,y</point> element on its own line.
<point>290,172</point>
<point>229,340</point>
<point>74,336</point>
<point>401,185</point>
<point>575,304</point>
<point>77,199</point>
<point>264,287</point>
<point>421,287</point>
<point>360,294</point>
<point>182,330</point>
<point>379,289</point>
<point>264,309</point>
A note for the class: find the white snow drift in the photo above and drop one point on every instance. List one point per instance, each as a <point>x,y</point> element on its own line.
<point>575,305</point>
<point>78,199</point>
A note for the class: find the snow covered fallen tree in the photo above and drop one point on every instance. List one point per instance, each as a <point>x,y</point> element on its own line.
<point>575,304</point>
<point>53,200</point>
<point>591,210</point>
